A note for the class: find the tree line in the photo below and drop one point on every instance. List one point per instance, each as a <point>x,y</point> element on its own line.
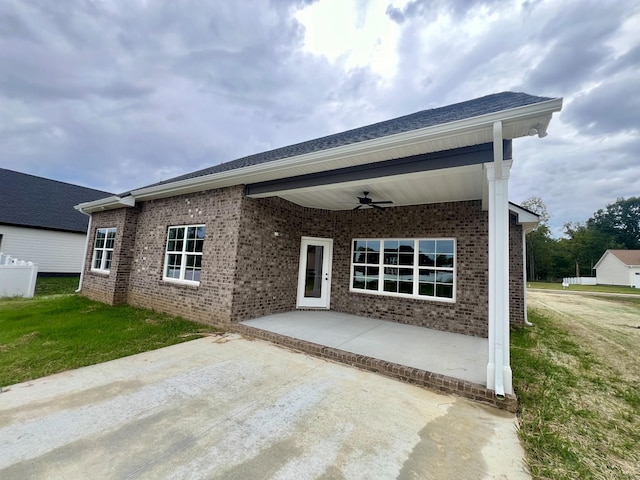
<point>617,226</point>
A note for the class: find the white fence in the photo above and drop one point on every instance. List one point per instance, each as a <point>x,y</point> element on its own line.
<point>579,281</point>
<point>17,277</point>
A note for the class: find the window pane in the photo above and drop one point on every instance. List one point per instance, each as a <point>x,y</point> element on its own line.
<point>406,246</point>
<point>107,260</point>
<point>359,249</point>
<point>406,259</point>
<point>180,233</point>
<point>405,274</point>
<point>173,266</point>
<point>444,246</point>
<point>191,245</point>
<point>172,233</point>
<point>444,277</point>
<point>373,245</point>
<point>390,280</point>
<point>427,246</point>
<point>97,258</point>
<point>445,291</point>
<point>198,246</point>
<point>426,289</point>
<point>373,271</point>
<point>390,258</point>
<point>427,275</point>
<point>427,259</point>
<point>391,246</point>
<point>358,282</point>
<point>373,258</point>
<point>444,260</point>
<point>372,278</point>
<point>200,233</point>
<point>390,286</point>
<point>405,287</point>
<point>100,236</point>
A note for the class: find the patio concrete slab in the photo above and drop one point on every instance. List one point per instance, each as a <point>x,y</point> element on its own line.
<point>451,354</point>
<point>226,408</point>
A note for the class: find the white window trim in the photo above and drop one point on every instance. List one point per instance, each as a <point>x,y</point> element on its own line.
<point>183,263</point>
<point>415,268</point>
<point>104,250</point>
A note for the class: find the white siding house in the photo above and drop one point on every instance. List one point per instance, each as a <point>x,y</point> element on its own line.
<point>53,251</point>
<point>619,267</point>
<point>39,224</point>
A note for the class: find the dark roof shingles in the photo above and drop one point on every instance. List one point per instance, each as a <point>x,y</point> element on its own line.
<point>425,118</point>
<point>30,201</point>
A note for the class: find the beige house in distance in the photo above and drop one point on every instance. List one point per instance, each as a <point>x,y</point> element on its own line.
<point>619,267</point>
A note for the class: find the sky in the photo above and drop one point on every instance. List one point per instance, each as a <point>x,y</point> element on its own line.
<point>118,94</point>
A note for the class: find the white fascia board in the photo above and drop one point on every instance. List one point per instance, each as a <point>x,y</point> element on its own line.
<point>541,111</point>
<point>106,204</point>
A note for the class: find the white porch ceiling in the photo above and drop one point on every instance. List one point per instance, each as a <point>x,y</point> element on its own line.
<point>446,185</point>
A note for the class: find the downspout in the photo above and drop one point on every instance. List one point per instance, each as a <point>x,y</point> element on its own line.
<point>86,250</point>
<point>524,277</point>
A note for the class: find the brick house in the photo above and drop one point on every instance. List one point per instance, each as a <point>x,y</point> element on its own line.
<point>406,220</point>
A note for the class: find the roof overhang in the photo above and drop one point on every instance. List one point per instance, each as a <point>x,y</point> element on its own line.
<point>516,122</point>
<point>527,219</point>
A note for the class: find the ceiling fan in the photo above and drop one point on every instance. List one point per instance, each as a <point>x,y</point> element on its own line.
<point>366,201</point>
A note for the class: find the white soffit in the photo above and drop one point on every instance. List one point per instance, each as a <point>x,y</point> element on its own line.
<point>447,185</point>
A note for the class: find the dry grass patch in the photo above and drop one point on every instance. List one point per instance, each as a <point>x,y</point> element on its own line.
<point>577,376</point>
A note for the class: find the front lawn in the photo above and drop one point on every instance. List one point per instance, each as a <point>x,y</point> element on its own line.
<point>50,334</point>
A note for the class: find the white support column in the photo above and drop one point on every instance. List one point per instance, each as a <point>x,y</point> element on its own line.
<point>499,376</point>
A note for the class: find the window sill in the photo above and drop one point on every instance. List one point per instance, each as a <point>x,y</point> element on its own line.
<point>104,273</point>
<point>404,296</point>
<point>182,283</point>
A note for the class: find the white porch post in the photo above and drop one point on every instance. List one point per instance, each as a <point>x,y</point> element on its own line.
<point>499,376</point>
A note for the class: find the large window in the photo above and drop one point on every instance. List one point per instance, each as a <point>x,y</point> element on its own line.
<point>183,260</point>
<point>103,249</point>
<point>418,268</point>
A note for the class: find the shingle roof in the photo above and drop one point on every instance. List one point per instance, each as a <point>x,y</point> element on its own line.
<point>30,201</point>
<point>628,257</point>
<point>425,118</point>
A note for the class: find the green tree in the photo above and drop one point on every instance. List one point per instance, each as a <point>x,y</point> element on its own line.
<point>620,221</point>
<point>540,244</point>
<point>584,246</point>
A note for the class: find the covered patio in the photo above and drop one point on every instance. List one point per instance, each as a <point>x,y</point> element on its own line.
<point>443,361</point>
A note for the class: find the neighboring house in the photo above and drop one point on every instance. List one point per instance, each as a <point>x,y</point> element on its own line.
<point>39,224</point>
<point>619,267</point>
<point>279,231</point>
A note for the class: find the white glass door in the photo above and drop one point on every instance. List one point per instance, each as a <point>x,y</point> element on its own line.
<point>314,277</point>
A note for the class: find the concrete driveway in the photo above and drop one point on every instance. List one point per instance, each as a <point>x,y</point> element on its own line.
<point>226,407</point>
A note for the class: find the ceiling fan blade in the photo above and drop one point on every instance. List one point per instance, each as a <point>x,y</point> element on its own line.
<point>383,201</point>
<point>359,206</point>
<point>376,206</point>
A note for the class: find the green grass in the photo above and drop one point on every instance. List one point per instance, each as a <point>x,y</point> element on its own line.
<point>579,413</point>
<point>56,285</point>
<point>50,334</point>
<point>584,288</point>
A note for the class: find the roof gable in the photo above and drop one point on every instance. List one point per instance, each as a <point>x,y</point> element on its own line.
<point>628,257</point>
<point>38,202</point>
<point>426,118</point>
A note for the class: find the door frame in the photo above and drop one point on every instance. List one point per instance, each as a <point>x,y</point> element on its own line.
<point>324,301</point>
